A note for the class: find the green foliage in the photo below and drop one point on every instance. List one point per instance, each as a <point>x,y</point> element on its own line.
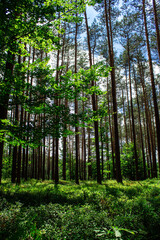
<point>6,170</point>
<point>56,117</point>
<point>25,25</point>
<point>128,162</point>
<point>42,210</point>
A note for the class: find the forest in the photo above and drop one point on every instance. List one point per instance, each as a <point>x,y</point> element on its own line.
<point>79,119</point>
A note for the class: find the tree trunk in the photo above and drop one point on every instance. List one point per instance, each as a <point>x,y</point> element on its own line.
<point>57,130</point>
<point>148,119</point>
<point>141,134</point>
<point>44,150</point>
<point>116,135</point>
<point>65,148</point>
<point>132,114</point>
<point>15,148</point>
<point>53,159</point>
<point>84,147</point>
<point>89,155</point>
<point>153,86</point>
<point>111,133</point>
<point>5,99</point>
<point>102,158</point>
<point>48,163</point>
<point>76,112</point>
<point>157,27</point>
<point>33,164</point>
<point>128,106</point>
<point>94,106</point>
<point>124,115</point>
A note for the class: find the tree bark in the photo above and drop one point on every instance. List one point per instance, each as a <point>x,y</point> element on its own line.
<point>94,106</point>
<point>89,155</point>
<point>76,113</point>
<point>44,149</point>
<point>156,111</point>
<point>57,130</point>
<point>157,27</point>
<point>130,128</point>
<point>141,134</point>
<point>116,135</point>
<point>53,159</point>
<point>5,98</point>
<point>132,114</point>
<point>148,119</point>
<point>48,163</point>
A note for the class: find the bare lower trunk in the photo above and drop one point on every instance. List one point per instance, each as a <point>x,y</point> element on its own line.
<point>141,134</point>
<point>149,124</point>
<point>5,98</point>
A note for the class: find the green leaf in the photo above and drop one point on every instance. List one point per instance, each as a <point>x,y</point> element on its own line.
<point>127,230</point>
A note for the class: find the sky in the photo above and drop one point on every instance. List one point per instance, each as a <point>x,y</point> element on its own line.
<point>91,14</point>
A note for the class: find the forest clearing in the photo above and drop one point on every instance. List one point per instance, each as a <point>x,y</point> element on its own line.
<point>42,210</point>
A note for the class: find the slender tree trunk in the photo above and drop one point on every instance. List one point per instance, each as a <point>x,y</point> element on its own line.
<point>141,134</point>
<point>44,150</point>
<point>5,99</point>
<point>27,116</point>
<point>76,113</point>
<point>150,150</point>
<point>111,133</point>
<point>130,128</point>
<point>64,157</point>
<point>89,155</point>
<point>65,148</point>
<point>107,145</point>
<point>21,125</point>
<point>19,153</point>
<point>24,151</point>
<point>153,85</point>
<point>33,164</point>
<point>40,162</point>
<point>48,164</point>
<point>152,121</point>
<point>157,27</point>
<point>15,149</point>
<point>124,115</point>
<point>26,166</point>
<point>65,126</point>
<point>111,56</point>
<point>147,143</point>
<point>94,105</point>
<point>39,153</point>
<point>57,130</point>
<point>84,147</point>
<point>84,154</point>
<point>53,159</point>
<point>132,114</point>
<point>56,162</point>
<point>19,164</point>
<point>70,160</point>
<point>148,119</point>
<point>23,162</point>
<point>82,159</point>
<point>102,156</point>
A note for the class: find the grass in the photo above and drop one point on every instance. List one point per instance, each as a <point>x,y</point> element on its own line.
<point>42,210</point>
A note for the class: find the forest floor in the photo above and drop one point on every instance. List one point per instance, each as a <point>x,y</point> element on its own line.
<point>42,210</point>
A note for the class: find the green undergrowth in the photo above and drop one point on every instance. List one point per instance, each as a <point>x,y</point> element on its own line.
<point>42,210</point>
